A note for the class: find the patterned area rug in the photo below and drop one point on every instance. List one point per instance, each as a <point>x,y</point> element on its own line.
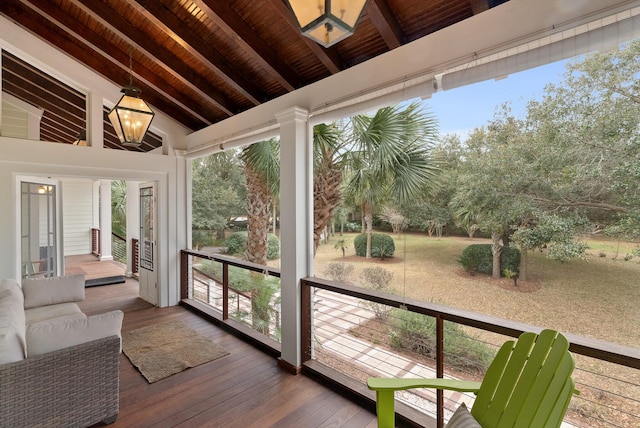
<point>161,350</point>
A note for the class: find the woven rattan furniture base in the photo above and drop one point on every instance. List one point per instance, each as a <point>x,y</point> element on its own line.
<point>73,387</point>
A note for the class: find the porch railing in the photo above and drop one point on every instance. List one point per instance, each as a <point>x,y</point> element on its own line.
<point>135,252</point>
<point>346,338</point>
<point>241,294</point>
<point>119,248</point>
<point>95,242</point>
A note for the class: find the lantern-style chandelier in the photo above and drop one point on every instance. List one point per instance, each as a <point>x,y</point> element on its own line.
<point>326,21</point>
<point>81,139</point>
<point>131,116</point>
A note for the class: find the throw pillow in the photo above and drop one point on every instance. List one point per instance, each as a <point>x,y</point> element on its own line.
<point>462,419</point>
<point>50,291</point>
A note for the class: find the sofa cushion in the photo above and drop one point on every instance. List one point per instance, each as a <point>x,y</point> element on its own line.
<point>48,312</point>
<point>50,291</point>
<point>51,335</point>
<point>12,324</point>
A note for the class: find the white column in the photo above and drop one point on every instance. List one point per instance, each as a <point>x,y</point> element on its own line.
<point>296,220</point>
<point>105,220</point>
<point>133,220</point>
<point>95,127</point>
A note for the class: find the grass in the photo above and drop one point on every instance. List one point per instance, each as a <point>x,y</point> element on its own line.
<point>596,297</point>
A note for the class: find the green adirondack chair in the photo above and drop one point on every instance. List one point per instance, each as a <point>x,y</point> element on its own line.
<point>528,384</point>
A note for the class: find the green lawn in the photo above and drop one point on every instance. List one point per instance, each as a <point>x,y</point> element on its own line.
<point>597,298</point>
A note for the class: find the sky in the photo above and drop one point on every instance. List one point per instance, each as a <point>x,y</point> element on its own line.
<point>460,110</point>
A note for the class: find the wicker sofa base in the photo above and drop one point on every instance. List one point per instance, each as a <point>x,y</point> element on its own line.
<point>73,387</point>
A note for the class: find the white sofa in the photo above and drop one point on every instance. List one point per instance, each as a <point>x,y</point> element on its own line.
<point>58,367</point>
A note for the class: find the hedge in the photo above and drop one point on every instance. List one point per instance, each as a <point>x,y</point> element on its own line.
<point>382,245</point>
<point>479,258</point>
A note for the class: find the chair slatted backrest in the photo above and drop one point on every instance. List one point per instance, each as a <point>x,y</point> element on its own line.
<point>528,384</point>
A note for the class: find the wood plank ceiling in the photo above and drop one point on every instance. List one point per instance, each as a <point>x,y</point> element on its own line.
<point>202,61</point>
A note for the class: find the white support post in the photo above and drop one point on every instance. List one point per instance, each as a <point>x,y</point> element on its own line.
<point>296,225</point>
<point>133,221</point>
<point>105,220</point>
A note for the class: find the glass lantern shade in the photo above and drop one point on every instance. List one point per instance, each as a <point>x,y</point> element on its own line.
<point>326,21</point>
<point>131,117</point>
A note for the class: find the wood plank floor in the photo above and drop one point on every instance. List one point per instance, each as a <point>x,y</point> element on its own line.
<point>243,389</point>
<point>91,267</point>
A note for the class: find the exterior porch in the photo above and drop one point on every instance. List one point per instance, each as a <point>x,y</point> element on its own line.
<point>246,388</point>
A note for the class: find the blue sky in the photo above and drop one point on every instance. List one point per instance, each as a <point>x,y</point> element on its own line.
<point>460,110</point>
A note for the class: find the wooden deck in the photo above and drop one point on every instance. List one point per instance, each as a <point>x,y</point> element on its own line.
<point>243,389</point>
<point>96,272</point>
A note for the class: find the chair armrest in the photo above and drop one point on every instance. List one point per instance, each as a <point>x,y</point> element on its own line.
<point>385,388</point>
<point>397,384</point>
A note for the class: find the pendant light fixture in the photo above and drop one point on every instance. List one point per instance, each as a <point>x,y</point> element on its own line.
<point>81,139</point>
<point>327,21</point>
<point>131,116</point>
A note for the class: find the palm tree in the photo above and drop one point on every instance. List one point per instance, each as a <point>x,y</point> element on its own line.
<point>119,207</point>
<point>327,175</point>
<point>390,158</point>
<point>262,170</point>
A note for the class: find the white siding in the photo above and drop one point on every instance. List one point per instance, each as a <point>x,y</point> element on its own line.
<point>15,121</point>
<point>77,215</point>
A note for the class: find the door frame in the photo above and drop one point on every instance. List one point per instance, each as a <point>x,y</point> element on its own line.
<point>59,238</point>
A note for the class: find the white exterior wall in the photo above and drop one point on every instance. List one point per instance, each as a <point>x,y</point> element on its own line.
<point>77,215</point>
<point>22,157</point>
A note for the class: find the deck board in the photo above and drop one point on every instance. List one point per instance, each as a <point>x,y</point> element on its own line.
<point>96,272</point>
<point>243,389</point>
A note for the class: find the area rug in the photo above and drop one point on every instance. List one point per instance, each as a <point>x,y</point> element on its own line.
<point>162,350</point>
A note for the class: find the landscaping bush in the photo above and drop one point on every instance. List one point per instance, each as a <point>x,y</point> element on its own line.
<point>352,227</point>
<point>339,271</point>
<point>382,245</point>
<point>201,238</point>
<point>479,258</point>
<point>417,333</point>
<point>237,245</point>
<point>379,279</point>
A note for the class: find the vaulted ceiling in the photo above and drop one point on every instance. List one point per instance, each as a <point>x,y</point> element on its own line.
<point>202,61</point>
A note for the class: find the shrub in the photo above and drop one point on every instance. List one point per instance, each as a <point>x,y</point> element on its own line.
<point>352,227</point>
<point>382,245</point>
<point>237,244</point>
<point>479,258</point>
<point>201,238</point>
<point>339,271</point>
<point>417,333</point>
<point>377,278</point>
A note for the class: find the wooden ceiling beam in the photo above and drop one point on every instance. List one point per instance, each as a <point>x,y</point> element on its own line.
<point>478,6</point>
<point>159,54</point>
<point>386,24</point>
<point>192,42</point>
<point>228,20</point>
<point>87,53</point>
<point>328,57</point>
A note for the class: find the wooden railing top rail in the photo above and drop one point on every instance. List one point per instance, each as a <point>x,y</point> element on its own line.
<point>599,349</point>
<point>120,237</point>
<point>232,261</point>
<point>221,281</point>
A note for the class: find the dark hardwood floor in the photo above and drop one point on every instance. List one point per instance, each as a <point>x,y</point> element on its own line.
<point>243,389</point>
